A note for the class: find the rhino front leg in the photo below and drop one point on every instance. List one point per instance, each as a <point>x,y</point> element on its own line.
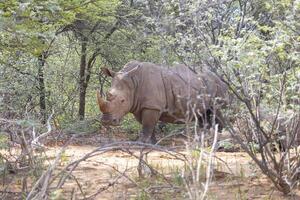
<point>149,120</point>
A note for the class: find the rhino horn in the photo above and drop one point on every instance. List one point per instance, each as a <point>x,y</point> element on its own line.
<point>101,102</point>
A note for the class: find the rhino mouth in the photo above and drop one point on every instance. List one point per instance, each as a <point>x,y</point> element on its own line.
<point>108,120</point>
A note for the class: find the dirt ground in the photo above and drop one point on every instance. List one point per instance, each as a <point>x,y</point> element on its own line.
<point>238,179</point>
<point>246,182</point>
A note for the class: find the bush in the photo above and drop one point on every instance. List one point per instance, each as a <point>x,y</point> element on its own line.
<point>131,126</point>
<point>83,126</point>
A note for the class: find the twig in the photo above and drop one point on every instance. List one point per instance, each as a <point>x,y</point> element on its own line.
<point>35,141</point>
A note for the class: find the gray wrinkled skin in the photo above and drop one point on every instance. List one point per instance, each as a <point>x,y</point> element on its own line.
<point>155,93</point>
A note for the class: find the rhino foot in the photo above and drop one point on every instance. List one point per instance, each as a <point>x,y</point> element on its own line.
<point>149,140</point>
<point>153,139</point>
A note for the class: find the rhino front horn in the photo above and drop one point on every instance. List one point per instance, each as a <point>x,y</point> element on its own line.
<point>101,102</point>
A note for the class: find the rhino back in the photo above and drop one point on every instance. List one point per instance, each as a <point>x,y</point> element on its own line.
<point>172,90</point>
<point>204,89</point>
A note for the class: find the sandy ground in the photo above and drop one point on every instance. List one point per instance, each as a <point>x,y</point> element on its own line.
<point>238,179</point>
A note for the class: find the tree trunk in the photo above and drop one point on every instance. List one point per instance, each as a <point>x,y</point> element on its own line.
<point>86,67</point>
<point>42,90</point>
<point>82,78</point>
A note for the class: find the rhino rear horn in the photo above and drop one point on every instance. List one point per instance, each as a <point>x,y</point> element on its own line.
<point>101,102</point>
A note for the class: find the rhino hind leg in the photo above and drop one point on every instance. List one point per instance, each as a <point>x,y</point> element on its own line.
<point>219,120</point>
<point>153,138</point>
<point>206,120</point>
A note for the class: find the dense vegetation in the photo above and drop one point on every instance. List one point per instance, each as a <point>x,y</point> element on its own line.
<point>52,51</point>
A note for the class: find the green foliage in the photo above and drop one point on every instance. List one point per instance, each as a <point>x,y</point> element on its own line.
<point>177,178</point>
<point>253,44</point>
<point>142,195</point>
<point>86,126</point>
<point>57,195</point>
<point>261,51</point>
<point>27,123</point>
<point>254,147</point>
<point>131,126</point>
<point>30,29</point>
<point>226,145</point>
<point>3,141</point>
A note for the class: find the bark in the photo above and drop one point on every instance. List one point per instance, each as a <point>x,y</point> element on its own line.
<point>82,78</point>
<point>86,67</point>
<point>42,89</point>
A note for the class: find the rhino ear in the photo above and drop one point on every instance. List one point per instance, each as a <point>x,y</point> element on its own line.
<point>108,72</point>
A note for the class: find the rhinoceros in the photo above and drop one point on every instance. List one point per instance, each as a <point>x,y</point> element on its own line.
<point>154,93</point>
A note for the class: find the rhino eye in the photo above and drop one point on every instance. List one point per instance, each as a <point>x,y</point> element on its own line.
<point>110,96</point>
<point>123,100</point>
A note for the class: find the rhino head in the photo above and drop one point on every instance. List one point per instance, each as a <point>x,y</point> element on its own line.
<point>119,98</point>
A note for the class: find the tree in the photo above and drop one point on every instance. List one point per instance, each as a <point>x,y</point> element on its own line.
<point>254,47</point>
